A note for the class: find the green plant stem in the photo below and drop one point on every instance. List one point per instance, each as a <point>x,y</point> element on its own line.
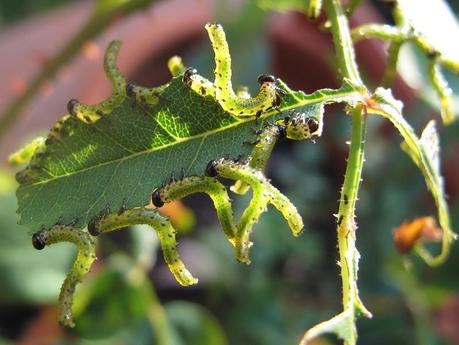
<point>391,69</point>
<point>440,85</point>
<point>380,31</point>
<point>346,214</point>
<point>401,35</point>
<point>349,255</point>
<point>343,41</point>
<point>102,16</point>
<point>344,324</point>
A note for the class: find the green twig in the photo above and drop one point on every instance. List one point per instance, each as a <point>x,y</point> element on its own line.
<point>346,213</point>
<point>380,31</point>
<point>349,255</point>
<point>343,42</point>
<point>443,90</point>
<point>401,35</point>
<point>391,69</point>
<point>343,325</point>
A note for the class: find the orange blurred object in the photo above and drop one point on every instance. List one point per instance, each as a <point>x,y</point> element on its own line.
<point>181,217</point>
<point>420,229</point>
<point>91,51</point>
<point>17,86</point>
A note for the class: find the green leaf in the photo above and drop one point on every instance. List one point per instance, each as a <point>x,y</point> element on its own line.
<point>343,325</point>
<point>425,153</point>
<point>119,159</point>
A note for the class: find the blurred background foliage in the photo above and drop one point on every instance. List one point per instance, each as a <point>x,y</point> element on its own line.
<point>12,11</point>
<point>292,283</point>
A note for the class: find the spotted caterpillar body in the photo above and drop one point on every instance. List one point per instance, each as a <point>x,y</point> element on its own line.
<point>85,257</point>
<point>266,99</point>
<point>91,113</point>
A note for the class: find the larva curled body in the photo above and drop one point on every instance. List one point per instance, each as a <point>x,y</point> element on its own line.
<point>299,126</point>
<point>200,184</point>
<point>107,222</point>
<point>263,194</point>
<point>85,257</point>
<point>266,99</point>
<point>91,113</point>
<point>143,95</point>
<point>197,83</point>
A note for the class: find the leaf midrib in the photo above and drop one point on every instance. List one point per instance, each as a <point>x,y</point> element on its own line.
<point>135,154</point>
<point>239,121</point>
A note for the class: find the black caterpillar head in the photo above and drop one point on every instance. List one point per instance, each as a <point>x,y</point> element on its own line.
<point>71,105</point>
<point>211,169</point>
<point>156,198</point>
<point>189,72</point>
<point>300,127</point>
<point>92,226</point>
<point>266,78</point>
<point>130,89</point>
<point>37,241</point>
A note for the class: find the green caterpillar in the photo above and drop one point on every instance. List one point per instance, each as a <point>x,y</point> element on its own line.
<point>85,257</point>
<point>200,184</point>
<point>197,83</point>
<point>263,194</point>
<point>91,113</point>
<point>107,222</point>
<point>240,103</point>
<point>267,98</point>
<point>25,154</point>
